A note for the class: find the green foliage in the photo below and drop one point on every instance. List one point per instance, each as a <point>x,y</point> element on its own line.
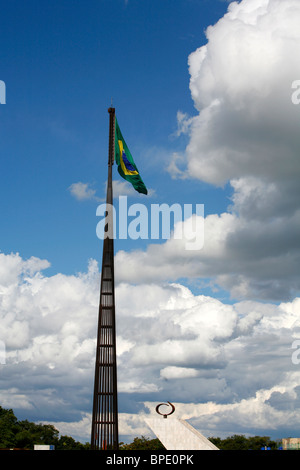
<point>24,434</point>
<point>68,443</point>
<point>142,443</point>
<point>8,428</point>
<point>240,442</point>
<point>235,442</point>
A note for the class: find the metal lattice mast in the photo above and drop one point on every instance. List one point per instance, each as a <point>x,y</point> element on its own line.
<point>105,407</point>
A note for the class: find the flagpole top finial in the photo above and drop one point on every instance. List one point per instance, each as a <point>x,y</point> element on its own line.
<point>111,110</point>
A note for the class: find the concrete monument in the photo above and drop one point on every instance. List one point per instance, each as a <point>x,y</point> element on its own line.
<point>177,434</point>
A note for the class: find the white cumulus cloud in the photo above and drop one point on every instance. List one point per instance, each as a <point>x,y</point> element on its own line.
<point>171,343</point>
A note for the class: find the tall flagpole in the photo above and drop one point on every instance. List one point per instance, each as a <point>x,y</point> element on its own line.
<point>105,406</point>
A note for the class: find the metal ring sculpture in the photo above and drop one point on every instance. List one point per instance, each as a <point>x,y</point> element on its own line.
<point>165,415</point>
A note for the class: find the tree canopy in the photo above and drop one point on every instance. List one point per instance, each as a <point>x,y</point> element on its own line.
<point>142,443</point>
<point>240,442</point>
<point>24,434</point>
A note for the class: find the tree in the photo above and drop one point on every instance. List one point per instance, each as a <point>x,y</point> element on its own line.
<point>240,442</point>
<point>142,443</point>
<point>30,433</point>
<point>68,443</point>
<point>8,428</point>
<point>24,434</point>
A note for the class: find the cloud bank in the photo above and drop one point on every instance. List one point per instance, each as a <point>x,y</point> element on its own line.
<point>246,134</point>
<point>224,366</point>
<point>227,367</point>
<point>240,82</point>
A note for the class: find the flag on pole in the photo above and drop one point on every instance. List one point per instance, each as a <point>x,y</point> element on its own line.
<point>126,166</point>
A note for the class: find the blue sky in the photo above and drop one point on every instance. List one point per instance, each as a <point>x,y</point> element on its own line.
<point>202,91</point>
<point>62,64</point>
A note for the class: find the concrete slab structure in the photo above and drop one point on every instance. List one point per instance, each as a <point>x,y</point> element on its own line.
<point>177,434</point>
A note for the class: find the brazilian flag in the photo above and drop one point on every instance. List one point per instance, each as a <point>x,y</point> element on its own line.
<point>126,166</point>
